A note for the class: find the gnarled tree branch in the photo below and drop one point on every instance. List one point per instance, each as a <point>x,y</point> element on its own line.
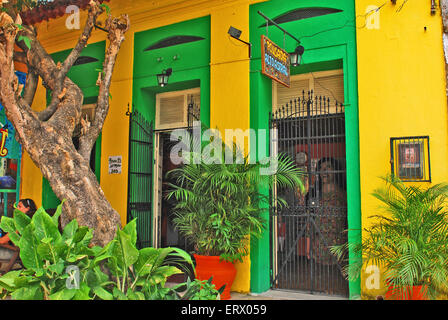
<point>117,27</point>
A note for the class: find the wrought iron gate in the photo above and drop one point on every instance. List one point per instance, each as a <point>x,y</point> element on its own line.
<point>140,177</point>
<point>194,113</point>
<point>311,130</point>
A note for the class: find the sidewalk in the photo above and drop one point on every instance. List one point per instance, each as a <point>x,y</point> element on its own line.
<point>281,295</point>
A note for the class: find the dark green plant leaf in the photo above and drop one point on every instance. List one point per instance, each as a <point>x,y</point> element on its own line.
<point>64,294</point>
<point>21,220</point>
<point>44,226</point>
<point>32,292</point>
<point>28,249</point>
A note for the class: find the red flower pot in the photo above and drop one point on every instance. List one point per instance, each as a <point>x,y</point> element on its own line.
<point>223,272</point>
<point>408,293</point>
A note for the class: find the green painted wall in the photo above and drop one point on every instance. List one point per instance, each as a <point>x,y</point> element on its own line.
<point>330,43</point>
<point>190,63</point>
<point>85,77</point>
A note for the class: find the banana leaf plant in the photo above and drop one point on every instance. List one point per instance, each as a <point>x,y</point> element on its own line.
<point>62,266</point>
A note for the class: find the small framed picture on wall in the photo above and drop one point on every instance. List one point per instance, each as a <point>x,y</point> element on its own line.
<point>410,159</point>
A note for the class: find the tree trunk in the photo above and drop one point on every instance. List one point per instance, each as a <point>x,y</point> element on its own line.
<point>47,135</point>
<point>71,178</point>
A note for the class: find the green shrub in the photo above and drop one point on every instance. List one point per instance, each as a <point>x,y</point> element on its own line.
<point>117,271</point>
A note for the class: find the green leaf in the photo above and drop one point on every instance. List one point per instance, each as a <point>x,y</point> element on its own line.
<point>28,249</point>
<point>57,214</point>
<point>33,292</point>
<point>102,293</point>
<point>82,293</point>
<point>21,220</point>
<point>162,273</point>
<point>57,268</point>
<point>131,230</point>
<point>65,294</point>
<point>96,278</point>
<point>8,225</point>
<point>44,251</point>
<point>146,259</point>
<point>106,7</point>
<point>7,281</point>
<point>76,257</point>
<point>70,230</point>
<point>127,253</point>
<point>24,281</point>
<point>119,295</point>
<point>83,236</point>
<point>26,40</point>
<point>45,226</point>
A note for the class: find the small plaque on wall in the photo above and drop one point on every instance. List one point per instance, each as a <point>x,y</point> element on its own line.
<point>115,164</point>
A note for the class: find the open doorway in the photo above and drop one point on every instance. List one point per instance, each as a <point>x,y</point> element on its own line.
<point>174,110</point>
<point>166,233</point>
<point>169,235</point>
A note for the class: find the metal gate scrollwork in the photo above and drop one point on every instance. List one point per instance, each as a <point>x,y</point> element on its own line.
<point>311,130</point>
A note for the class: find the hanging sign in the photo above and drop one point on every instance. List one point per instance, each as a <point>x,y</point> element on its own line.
<point>275,62</point>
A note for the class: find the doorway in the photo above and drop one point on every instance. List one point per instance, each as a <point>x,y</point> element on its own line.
<point>174,110</point>
<point>310,129</point>
<point>166,234</point>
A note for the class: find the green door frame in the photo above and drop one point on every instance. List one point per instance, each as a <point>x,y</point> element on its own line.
<point>328,49</point>
<point>191,67</point>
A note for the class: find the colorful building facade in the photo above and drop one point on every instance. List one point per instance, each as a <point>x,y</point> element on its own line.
<point>351,93</point>
<point>402,93</point>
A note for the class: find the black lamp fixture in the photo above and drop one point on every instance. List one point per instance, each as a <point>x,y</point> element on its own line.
<point>235,34</point>
<point>296,56</point>
<point>162,78</point>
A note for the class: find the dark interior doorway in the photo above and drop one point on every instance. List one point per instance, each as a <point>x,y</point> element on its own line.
<point>169,235</point>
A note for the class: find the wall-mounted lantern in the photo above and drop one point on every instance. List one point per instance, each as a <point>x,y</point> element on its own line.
<point>296,56</point>
<point>162,78</point>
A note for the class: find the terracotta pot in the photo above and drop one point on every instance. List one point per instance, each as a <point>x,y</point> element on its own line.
<point>223,272</point>
<point>409,293</point>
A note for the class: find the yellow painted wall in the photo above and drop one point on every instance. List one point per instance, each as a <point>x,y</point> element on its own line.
<point>229,83</point>
<point>401,78</point>
<point>229,105</point>
<point>31,180</point>
<point>115,136</point>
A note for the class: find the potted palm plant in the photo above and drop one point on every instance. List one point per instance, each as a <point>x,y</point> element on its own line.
<point>219,205</point>
<point>410,242</point>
